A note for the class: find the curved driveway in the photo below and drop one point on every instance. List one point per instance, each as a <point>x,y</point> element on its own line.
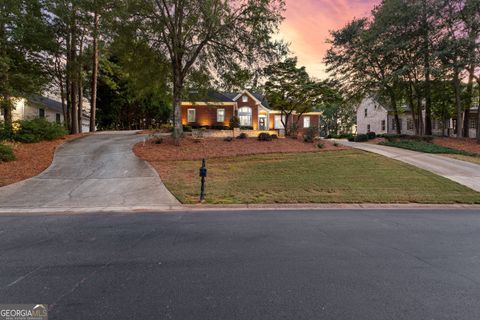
<point>98,171</point>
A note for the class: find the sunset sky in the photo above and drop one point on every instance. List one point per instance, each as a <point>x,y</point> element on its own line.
<point>307,26</point>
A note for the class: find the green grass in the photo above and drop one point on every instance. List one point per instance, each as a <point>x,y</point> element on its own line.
<point>350,176</point>
<point>423,147</point>
<point>6,153</point>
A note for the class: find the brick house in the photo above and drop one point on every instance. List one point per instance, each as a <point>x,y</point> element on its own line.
<point>215,109</point>
<point>372,116</point>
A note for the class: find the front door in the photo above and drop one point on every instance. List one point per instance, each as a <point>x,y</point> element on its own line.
<point>262,122</point>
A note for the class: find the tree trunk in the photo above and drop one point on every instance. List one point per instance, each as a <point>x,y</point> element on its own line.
<point>177,106</point>
<point>7,112</point>
<point>471,74</point>
<point>478,111</point>
<point>458,102</point>
<point>428,94</point>
<point>412,107</point>
<point>73,74</point>
<point>80,87</point>
<point>393,102</point>
<point>93,101</point>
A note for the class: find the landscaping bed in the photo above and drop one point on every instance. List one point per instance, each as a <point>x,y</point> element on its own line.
<point>466,144</point>
<point>31,159</point>
<point>347,176</point>
<point>191,149</point>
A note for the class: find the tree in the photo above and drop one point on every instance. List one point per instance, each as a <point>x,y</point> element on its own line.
<point>24,39</point>
<point>291,90</point>
<point>213,34</point>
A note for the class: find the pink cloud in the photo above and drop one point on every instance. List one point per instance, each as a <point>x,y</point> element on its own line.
<point>308,23</point>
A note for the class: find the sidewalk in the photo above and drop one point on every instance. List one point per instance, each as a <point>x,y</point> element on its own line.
<point>465,173</point>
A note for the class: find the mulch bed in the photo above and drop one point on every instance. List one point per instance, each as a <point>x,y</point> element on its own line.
<point>189,149</point>
<point>465,144</point>
<point>32,159</point>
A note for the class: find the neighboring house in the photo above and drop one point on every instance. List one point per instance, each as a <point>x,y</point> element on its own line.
<point>49,108</point>
<point>372,116</point>
<point>215,109</point>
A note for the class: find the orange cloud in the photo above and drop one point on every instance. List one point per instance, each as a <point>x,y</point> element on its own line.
<point>308,23</point>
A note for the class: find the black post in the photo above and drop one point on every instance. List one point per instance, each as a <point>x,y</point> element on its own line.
<point>203,175</point>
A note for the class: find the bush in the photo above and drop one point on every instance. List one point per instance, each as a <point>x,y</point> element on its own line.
<point>352,138</point>
<point>187,129</point>
<point>228,139</point>
<point>320,145</point>
<point>37,130</point>
<point>6,153</point>
<point>310,134</point>
<point>361,138</point>
<point>234,122</point>
<point>246,128</point>
<point>335,144</point>
<point>371,135</point>
<point>219,127</point>
<point>274,136</point>
<point>341,136</point>
<point>264,137</point>
<point>242,135</point>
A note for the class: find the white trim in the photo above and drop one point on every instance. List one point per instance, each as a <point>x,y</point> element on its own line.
<point>191,103</point>
<point>194,115</point>
<point>223,115</point>
<point>309,121</point>
<point>248,93</point>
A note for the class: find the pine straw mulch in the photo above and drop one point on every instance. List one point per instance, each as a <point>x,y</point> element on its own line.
<point>190,149</point>
<point>465,144</point>
<point>32,159</point>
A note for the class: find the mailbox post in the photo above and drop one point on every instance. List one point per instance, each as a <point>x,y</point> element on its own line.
<point>203,175</point>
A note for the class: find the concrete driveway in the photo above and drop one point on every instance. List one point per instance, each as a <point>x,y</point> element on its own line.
<point>98,171</point>
<point>465,173</point>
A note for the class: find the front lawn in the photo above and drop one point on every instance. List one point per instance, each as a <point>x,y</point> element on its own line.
<point>348,176</point>
<point>422,146</point>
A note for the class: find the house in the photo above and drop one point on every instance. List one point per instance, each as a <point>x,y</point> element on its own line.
<point>49,108</point>
<point>373,116</point>
<point>215,109</point>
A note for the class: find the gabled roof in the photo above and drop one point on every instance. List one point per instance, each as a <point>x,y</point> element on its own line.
<point>217,96</point>
<point>46,102</point>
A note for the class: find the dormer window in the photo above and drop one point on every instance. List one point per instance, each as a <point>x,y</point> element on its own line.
<point>244,99</point>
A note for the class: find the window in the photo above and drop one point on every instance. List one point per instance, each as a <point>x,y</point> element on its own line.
<point>366,112</point>
<point>245,115</point>
<point>191,115</point>
<point>409,124</point>
<point>472,123</point>
<point>41,113</point>
<point>220,115</point>
<point>306,122</point>
<point>57,118</point>
<point>278,122</point>
<point>244,98</point>
<point>368,128</point>
<point>383,125</point>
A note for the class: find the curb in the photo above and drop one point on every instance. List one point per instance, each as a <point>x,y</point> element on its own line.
<point>232,208</point>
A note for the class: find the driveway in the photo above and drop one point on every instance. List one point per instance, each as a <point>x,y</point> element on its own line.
<point>465,173</point>
<point>98,171</point>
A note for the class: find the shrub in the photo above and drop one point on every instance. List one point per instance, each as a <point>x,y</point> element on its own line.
<point>264,137</point>
<point>234,122</point>
<point>187,128</point>
<point>167,127</point>
<point>335,144</point>
<point>242,135</point>
<point>361,138</point>
<point>219,127</point>
<point>371,135</point>
<point>320,145</point>
<point>246,128</point>
<point>6,153</point>
<point>352,138</point>
<point>37,130</point>
<point>310,134</point>
<point>228,139</point>
<point>274,136</point>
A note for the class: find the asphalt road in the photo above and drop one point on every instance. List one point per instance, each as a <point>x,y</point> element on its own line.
<point>245,265</point>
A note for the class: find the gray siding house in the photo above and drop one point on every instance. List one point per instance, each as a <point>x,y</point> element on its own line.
<point>372,116</point>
